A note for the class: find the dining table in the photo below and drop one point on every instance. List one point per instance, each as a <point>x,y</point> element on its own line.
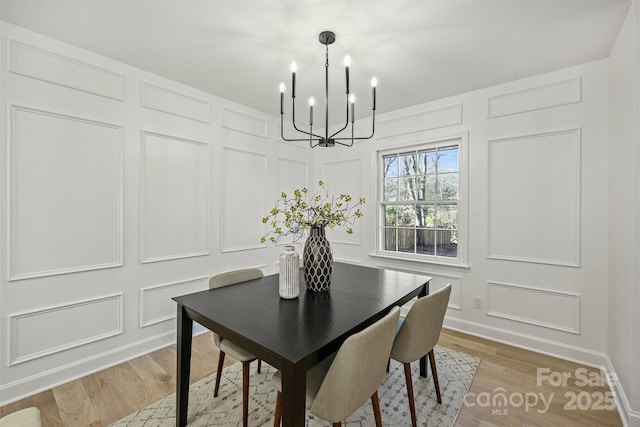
<point>291,334</point>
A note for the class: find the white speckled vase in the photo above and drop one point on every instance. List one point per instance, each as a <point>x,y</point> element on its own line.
<point>289,273</point>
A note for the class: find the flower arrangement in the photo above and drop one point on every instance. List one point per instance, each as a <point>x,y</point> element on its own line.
<point>295,215</point>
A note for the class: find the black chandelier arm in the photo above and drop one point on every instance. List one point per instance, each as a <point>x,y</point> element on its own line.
<point>346,121</point>
<point>293,121</point>
<point>315,137</point>
<point>352,138</point>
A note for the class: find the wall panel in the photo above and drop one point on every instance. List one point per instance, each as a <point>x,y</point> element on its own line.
<point>156,304</point>
<point>65,194</point>
<point>537,98</point>
<point>42,332</point>
<point>428,120</point>
<point>48,66</point>
<point>541,307</point>
<point>534,198</point>
<point>245,123</point>
<point>244,185</point>
<point>174,197</point>
<point>177,103</point>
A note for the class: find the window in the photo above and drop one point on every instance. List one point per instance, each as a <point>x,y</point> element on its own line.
<point>420,202</point>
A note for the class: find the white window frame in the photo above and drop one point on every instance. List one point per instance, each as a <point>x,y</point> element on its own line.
<point>461,261</point>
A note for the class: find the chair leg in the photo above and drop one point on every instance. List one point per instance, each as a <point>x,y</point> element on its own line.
<point>412,403</point>
<point>434,372</point>
<point>220,364</point>
<point>245,393</point>
<point>376,409</point>
<point>278,415</point>
<point>259,365</point>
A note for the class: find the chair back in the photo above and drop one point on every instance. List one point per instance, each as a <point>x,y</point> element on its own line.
<point>420,330</point>
<point>357,370</point>
<point>231,278</point>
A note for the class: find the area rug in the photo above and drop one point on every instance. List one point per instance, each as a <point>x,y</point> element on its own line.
<point>455,373</point>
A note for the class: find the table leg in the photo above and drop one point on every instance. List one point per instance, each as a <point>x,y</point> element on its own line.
<point>185,335</point>
<point>423,359</point>
<point>294,384</point>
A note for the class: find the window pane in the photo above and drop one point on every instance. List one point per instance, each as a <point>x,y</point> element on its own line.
<point>447,216</point>
<point>406,216</point>
<point>406,240</point>
<point>425,241</point>
<point>408,189</point>
<point>420,187</point>
<point>390,165</point>
<point>430,188</point>
<point>426,216</point>
<point>448,160</point>
<point>448,186</point>
<point>390,189</point>
<point>431,159</point>
<point>422,162</point>
<point>447,243</point>
<point>390,215</point>
<point>390,239</point>
<point>408,164</point>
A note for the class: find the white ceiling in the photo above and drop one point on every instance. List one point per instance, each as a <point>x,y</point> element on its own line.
<point>419,50</point>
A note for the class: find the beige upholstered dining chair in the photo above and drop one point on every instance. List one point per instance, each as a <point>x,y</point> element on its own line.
<point>28,417</point>
<point>337,387</point>
<point>228,347</point>
<point>417,336</point>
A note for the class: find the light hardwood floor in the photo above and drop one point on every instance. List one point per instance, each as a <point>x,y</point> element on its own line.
<point>111,394</point>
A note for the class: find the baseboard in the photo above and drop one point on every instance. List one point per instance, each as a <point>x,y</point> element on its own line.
<point>629,417</point>
<point>42,381</point>
<point>538,345</point>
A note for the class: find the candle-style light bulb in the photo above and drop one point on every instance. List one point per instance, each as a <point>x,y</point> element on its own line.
<point>374,83</point>
<point>352,99</point>
<point>347,62</point>
<point>282,88</point>
<point>311,102</point>
<point>294,68</point>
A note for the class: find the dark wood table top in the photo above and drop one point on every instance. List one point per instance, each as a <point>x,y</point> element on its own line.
<point>294,329</point>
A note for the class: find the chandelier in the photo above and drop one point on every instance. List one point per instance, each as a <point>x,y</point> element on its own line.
<point>326,38</point>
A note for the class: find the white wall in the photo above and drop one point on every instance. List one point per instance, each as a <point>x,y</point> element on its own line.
<point>184,178</point>
<point>123,189</point>
<point>543,286</point>
<point>624,218</point>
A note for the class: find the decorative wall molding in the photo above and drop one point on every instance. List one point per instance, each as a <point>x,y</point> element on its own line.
<point>164,204</point>
<point>245,123</point>
<point>528,304</point>
<point>50,67</point>
<point>179,104</point>
<point>545,227</point>
<point>243,172</point>
<point>537,98</point>
<point>159,297</point>
<point>35,334</point>
<point>24,137</point>
<point>427,120</point>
